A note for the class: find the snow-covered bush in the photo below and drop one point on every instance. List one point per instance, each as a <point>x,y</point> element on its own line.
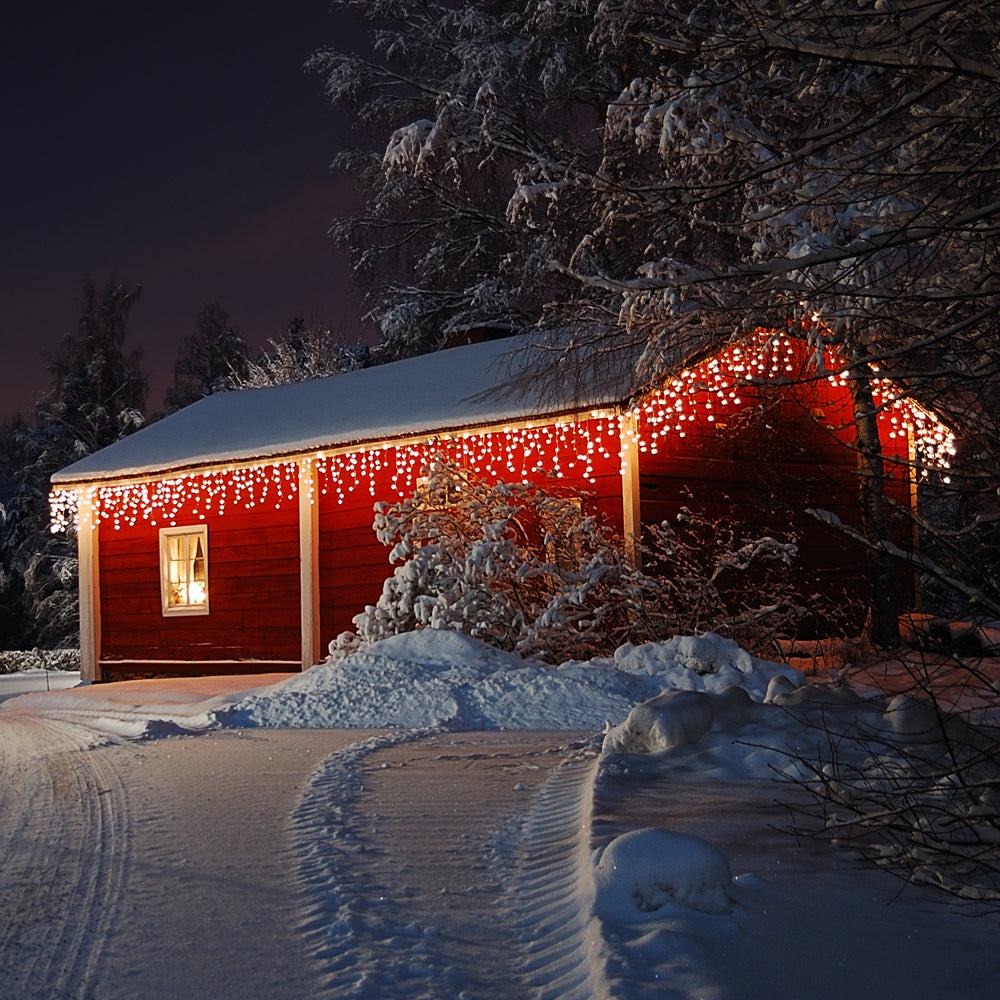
<point>530,569</point>
<point>513,564</point>
<point>14,661</point>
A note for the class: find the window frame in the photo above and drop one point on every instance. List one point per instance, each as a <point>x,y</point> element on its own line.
<point>199,531</point>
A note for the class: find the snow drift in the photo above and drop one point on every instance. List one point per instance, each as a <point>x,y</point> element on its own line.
<point>443,678</point>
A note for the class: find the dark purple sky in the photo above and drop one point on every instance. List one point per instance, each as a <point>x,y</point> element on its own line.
<point>181,147</point>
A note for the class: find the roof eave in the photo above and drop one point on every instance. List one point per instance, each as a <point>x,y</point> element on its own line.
<point>298,455</point>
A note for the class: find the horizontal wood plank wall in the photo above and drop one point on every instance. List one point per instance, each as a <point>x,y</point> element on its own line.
<point>354,564</point>
<point>762,463</point>
<point>253,562</point>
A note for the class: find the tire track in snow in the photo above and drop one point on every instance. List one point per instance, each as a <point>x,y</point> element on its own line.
<point>396,838</point>
<point>64,840</point>
<point>342,919</point>
<point>551,890</point>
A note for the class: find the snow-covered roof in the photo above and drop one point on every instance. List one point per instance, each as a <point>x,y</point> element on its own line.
<point>472,386</point>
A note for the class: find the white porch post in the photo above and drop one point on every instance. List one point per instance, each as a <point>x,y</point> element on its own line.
<point>631,515</point>
<point>90,588</point>
<point>309,563</point>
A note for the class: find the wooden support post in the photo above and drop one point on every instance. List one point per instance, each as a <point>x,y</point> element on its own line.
<point>631,514</point>
<point>87,546</point>
<point>309,563</point>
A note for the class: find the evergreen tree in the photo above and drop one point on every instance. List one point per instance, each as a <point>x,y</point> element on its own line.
<point>97,396</point>
<point>210,359</point>
<point>302,354</point>
<point>98,392</point>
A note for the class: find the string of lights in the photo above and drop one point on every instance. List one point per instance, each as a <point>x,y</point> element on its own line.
<point>581,448</point>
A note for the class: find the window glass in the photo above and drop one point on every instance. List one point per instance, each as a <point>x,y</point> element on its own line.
<point>184,570</point>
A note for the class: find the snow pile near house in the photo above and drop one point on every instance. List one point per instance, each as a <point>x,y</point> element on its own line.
<point>442,678</point>
<point>679,718</point>
<point>727,735</point>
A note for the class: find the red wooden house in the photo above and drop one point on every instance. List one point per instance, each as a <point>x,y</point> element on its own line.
<point>235,535</point>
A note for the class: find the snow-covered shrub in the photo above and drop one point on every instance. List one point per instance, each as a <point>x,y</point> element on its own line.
<point>518,566</point>
<point>14,661</point>
<point>529,569</point>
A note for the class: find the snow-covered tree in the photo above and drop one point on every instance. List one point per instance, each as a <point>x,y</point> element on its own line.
<point>826,169</point>
<point>301,355</point>
<point>98,392</point>
<point>97,396</point>
<point>208,359</point>
<point>770,162</point>
<point>684,172</point>
<point>453,101</point>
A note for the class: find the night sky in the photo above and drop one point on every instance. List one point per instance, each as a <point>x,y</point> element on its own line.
<point>182,148</point>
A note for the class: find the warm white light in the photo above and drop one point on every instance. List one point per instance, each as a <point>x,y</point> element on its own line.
<point>585,448</point>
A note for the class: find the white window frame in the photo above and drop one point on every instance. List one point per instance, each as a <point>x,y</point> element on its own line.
<point>199,532</point>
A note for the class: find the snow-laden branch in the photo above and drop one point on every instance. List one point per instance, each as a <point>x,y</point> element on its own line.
<point>864,246</point>
<point>948,62</point>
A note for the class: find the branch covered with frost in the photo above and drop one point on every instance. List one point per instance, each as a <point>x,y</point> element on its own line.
<point>978,597</point>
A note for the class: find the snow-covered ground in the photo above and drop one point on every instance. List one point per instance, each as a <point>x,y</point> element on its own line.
<point>637,854</point>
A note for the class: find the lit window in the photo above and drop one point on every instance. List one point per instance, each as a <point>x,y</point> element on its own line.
<point>184,570</point>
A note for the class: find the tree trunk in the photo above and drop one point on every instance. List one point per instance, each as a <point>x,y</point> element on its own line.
<point>883,599</point>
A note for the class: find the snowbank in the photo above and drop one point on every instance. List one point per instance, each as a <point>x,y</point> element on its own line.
<point>443,678</point>
<point>654,868</point>
<point>643,871</point>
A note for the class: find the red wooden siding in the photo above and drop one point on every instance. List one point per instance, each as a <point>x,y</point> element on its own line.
<point>762,463</point>
<point>253,561</point>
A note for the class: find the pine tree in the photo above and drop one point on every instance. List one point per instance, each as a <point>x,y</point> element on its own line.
<point>209,360</point>
<point>97,396</point>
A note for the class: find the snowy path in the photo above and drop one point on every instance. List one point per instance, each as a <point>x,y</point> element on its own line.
<point>409,880</point>
<point>416,866</point>
<point>551,895</point>
<point>161,869</point>
<point>65,841</point>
